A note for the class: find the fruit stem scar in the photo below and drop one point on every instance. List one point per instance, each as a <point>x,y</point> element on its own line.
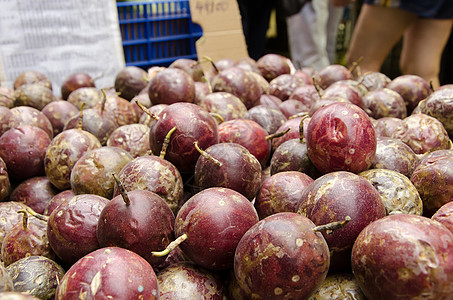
<point>330,227</point>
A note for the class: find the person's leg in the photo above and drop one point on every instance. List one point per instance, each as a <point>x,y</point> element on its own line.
<point>335,16</point>
<point>377,30</point>
<point>423,45</point>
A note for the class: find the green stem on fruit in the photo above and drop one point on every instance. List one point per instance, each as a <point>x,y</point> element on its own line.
<point>208,82</point>
<point>316,85</point>
<point>166,143</point>
<point>330,227</point>
<point>80,121</point>
<point>355,65</point>
<point>36,215</point>
<point>278,134</point>
<point>24,218</point>
<point>217,116</point>
<point>301,128</point>
<point>207,155</point>
<point>170,246</point>
<point>104,99</point>
<point>142,107</point>
<point>123,191</point>
<point>208,59</point>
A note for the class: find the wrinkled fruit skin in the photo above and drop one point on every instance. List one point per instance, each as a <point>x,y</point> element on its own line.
<point>9,216</point>
<point>35,95</point>
<point>240,170</point>
<point>36,275</point>
<point>269,118</point>
<point>444,215</point>
<point>339,286</point>
<point>340,136</point>
<point>397,192</point>
<point>192,124</point>
<point>214,220</point>
<point>281,257</point>
<point>433,179</point>
<point>189,281</point>
<point>59,112</point>
<point>154,174</point>
<point>63,152</point>
<point>27,115</point>
<point>412,88</point>
<point>404,256</point>
<point>334,196</point>
<point>109,272</point>
<point>393,154</point>
<point>440,106</point>
<point>92,173</point>
<point>227,105</point>
<point>422,133</point>
<point>5,184</point>
<point>385,103</point>
<point>71,228</point>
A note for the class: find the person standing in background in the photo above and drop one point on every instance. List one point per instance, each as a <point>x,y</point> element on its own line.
<point>312,33</point>
<point>424,25</point>
<point>255,16</point>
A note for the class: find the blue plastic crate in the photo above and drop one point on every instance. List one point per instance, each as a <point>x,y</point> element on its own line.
<point>156,33</point>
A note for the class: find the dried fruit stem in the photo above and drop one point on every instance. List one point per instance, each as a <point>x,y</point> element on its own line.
<point>330,227</point>
<point>207,155</point>
<point>123,191</point>
<point>80,121</point>
<point>104,99</point>
<point>24,218</point>
<point>316,85</point>
<point>301,128</point>
<point>171,246</point>
<point>36,215</point>
<point>166,143</point>
<point>355,64</point>
<point>277,134</point>
<point>217,116</point>
<point>155,117</point>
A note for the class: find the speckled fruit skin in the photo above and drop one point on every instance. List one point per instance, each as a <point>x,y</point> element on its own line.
<point>74,82</point>
<point>92,173</point>
<point>339,286</point>
<point>5,116</point>
<point>272,65</point>
<point>57,199</point>
<point>171,85</point>
<point>143,226</point>
<point>433,179</point>
<point>249,134</point>
<point>5,184</point>
<point>35,95</point>
<point>440,106</point>
<point>23,149</point>
<point>91,96</point>
<point>190,66</point>
<point>101,125</point>
<point>109,273</point>
<point>192,124</point>
<point>9,216</point>
<point>397,192</point>
<point>189,281</point>
<point>134,138</point>
<point>334,196</point>
<point>393,154</point>
<point>342,89</point>
<point>36,275</point>
<point>281,192</point>
<point>330,74</point>
<point>340,136</point>
<point>292,155</point>
<point>71,228</point>
<point>240,83</point>
<point>307,94</point>
<point>385,127</point>
<point>63,152</point>
<point>422,133</point>
<point>130,81</point>
<point>385,102</point>
<point>6,97</point>
<point>268,117</point>
<point>374,80</point>
<point>122,109</point>
<point>59,112</point>
<point>293,124</point>
<point>34,192</point>
<point>214,220</point>
<point>404,256</point>
<point>444,215</point>
<point>240,170</point>
<point>154,174</point>
<point>22,241</point>
<point>281,257</point>
<point>31,76</point>
<point>6,283</point>
<point>412,88</point>
<point>283,85</point>
<point>227,105</point>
